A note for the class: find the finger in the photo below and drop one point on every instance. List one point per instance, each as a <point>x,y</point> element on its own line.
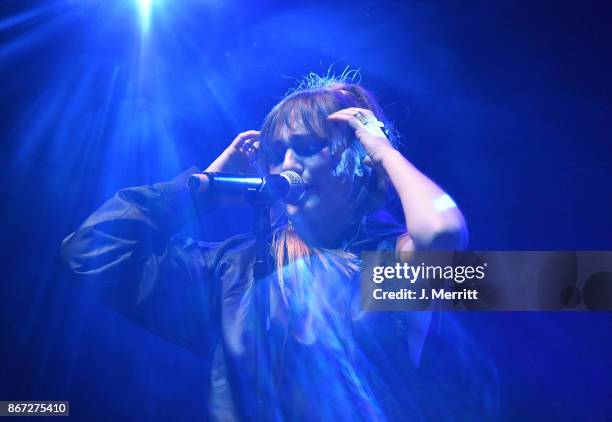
<point>251,144</point>
<point>244,136</point>
<point>351,111</point>
<point>249,149</point>
<point>371,124</point>
<point>345,117</point>
<point>348,117</point>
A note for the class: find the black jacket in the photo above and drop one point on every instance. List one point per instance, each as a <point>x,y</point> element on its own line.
<point>197,295</point>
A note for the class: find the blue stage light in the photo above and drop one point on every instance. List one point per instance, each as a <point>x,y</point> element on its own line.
<point>144,10</point>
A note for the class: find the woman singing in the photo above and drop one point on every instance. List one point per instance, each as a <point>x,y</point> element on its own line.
<point>328,359</point>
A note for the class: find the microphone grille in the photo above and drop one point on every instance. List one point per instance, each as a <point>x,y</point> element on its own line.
<point>296,187</point>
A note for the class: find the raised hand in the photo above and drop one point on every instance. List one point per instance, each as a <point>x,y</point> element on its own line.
<point>241,156</point>
<point>368,131</point>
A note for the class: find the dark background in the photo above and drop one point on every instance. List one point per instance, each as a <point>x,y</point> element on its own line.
<point>505,104</point>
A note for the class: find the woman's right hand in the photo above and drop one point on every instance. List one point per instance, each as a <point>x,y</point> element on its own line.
<point>241,156</point>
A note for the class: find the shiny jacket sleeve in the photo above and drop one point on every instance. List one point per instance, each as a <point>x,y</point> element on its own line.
<point>164,285</point>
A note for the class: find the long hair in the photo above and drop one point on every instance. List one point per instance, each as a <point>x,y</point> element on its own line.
<point>310,103</point>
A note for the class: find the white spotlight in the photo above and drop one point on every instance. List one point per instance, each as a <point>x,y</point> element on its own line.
<point>144,10</point>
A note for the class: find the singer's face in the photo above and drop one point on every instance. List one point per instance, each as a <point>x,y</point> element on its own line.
<point>326,197</point>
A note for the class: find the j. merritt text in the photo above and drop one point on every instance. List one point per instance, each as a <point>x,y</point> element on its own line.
<point>441,294</point>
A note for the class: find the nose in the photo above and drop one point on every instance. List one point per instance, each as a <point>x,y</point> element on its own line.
<point>292,162</point>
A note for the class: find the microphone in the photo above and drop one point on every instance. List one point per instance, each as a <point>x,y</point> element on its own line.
<point>287,186</point>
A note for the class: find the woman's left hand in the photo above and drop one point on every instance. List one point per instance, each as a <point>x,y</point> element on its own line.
<point>370,134</point>
<point>429,226</point>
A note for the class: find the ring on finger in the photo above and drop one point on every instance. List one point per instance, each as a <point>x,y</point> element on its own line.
<point>361,117</point>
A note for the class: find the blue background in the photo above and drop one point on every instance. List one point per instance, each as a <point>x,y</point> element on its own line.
<point>505,104</point>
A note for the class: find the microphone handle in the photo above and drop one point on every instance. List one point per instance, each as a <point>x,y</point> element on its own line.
<point>226,182</point>
<point>287,186</point>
